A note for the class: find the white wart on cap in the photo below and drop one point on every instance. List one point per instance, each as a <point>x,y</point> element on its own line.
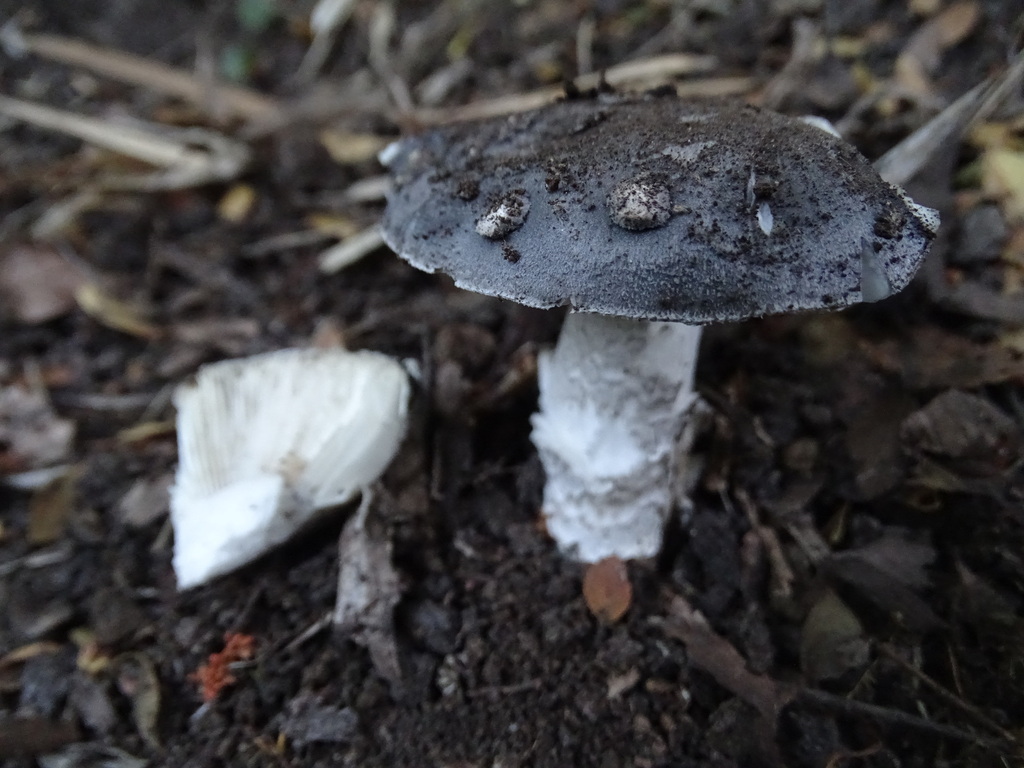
<point>653,207</point>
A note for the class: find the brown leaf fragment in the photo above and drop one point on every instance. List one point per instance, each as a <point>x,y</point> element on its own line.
<point>237,203</point>
<point>966,431</point>
<point>50,509</point>
<point>890,572</point>
<point>113,313</point>
<point>872,440</point>
<point>1003,179</point>
<point>346,148</point>
<point>113,615</point>
<point>369,588</point>
<point>832,640</point>
<point>923,52</point>
<point>25,736</point>
<point>37,283</point>
<point>230,335</point>
<point>606,589</point>
<point>31,433</point>
<point>931,358</point>
<point>137,680</point>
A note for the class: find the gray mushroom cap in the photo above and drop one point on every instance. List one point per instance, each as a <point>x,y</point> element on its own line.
<point>653,207</point>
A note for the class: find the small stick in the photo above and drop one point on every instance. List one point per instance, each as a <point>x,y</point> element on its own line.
<point>948,696</point>
<point>219,159</point>
<point>640,73</point>
<point>135,70</point>
<point>833,703</point>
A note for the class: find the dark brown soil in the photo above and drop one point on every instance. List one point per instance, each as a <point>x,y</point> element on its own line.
<point>856,538</point>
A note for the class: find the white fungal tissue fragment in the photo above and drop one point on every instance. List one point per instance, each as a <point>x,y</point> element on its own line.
<point>765,218</point>
<point>266,442</point>
<point>505,215</point>
<point>874,284</point>
<point>822,124</point>
<point>639,203</point>
<point>751,181</point>
<point>686,153</point>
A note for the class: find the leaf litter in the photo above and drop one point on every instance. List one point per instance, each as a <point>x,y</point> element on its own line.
<point>889,550</point>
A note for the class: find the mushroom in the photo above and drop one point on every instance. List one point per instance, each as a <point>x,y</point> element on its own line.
<point>648,216</point>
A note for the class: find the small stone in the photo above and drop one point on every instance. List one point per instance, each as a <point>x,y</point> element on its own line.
<point>639,203</point>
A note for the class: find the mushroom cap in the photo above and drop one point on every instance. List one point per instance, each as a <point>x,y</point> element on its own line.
<point>653,207</point>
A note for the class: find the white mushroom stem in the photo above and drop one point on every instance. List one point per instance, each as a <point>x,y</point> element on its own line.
<point>615,396</point>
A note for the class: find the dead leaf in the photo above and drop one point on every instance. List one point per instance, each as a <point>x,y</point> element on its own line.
<point>347,148</point>
<point>137,680</point>
<point>369,588</point>
<point>969,432</point>
<point>831,640</point>
<point>351,250</point>
<point>23,653</point>
<point>232,336</point>
<point>923,52</point>
<point>114,314</point>
<point>873,442</point>
<point>236,203</point>
<point>890,572</point>
<point>146,501</point>
<point>930,358</point>
<point>50,509</point>
<point>1002,178</point>
<point>32,436</point>
<point>925,7</point>
<point>32,735</point>
<point>147,430</point>
<point>606,589</point>
<point>333,225</point>
<point>37,283</point>
<point>91,659</point>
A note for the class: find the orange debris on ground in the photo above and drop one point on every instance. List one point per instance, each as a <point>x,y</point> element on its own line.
<point>214,675</point>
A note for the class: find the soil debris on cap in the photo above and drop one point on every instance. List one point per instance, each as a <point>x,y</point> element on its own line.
<point>506,214</point>
<point>664,209</point>
<point>640,203</point>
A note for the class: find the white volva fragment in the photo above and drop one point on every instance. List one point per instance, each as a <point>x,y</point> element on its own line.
<point>615,395</point>
<point>267,441</point>
<point>765,218</point>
